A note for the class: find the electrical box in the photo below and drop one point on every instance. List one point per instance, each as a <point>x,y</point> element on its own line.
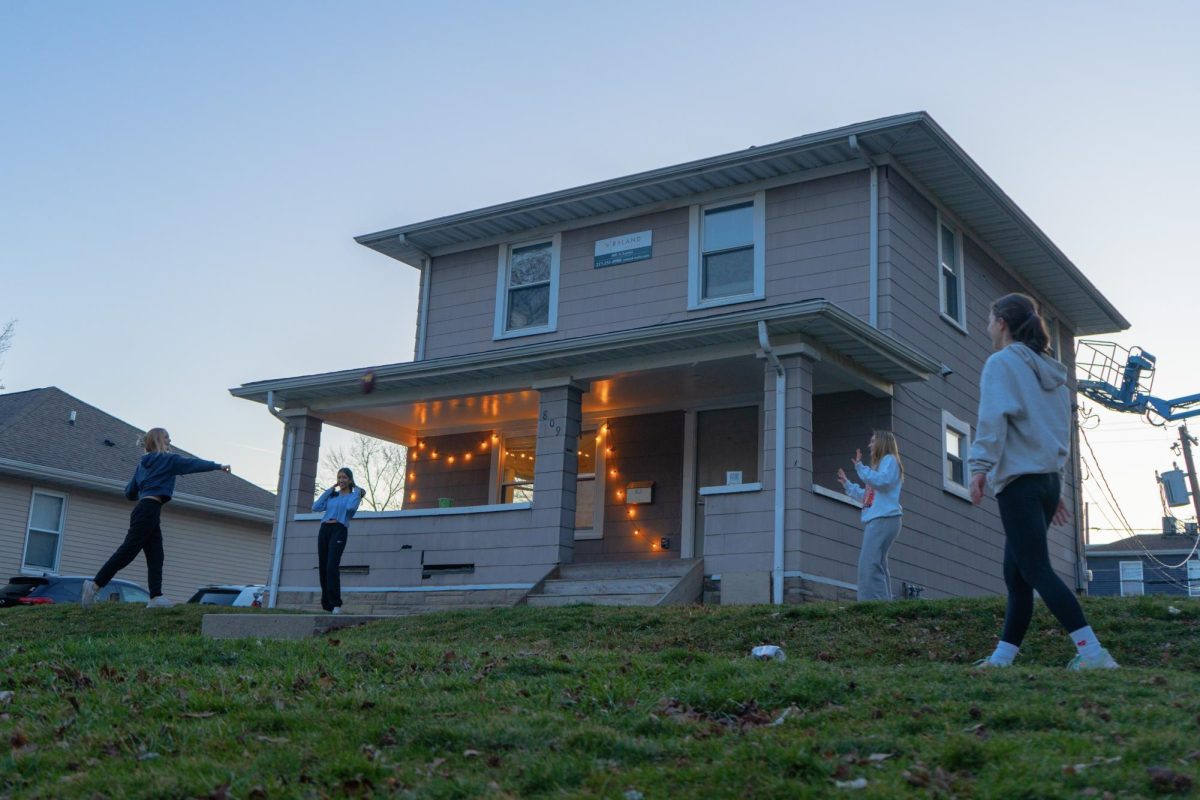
<point>1174,487</point>
<point>639,492</point>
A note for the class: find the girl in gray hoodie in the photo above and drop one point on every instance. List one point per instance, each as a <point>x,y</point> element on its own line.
<point>1022,442</point>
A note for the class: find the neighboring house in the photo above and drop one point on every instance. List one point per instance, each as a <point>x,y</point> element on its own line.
<point>672,365</point>
<point>63,469</point>
<point>1145,564</point>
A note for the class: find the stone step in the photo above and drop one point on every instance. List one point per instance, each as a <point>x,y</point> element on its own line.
<point>546,600</point>
<point>656,568</point>
<point>648,585</point>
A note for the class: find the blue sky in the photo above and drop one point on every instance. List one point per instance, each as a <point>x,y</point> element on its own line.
<point>180,182</point>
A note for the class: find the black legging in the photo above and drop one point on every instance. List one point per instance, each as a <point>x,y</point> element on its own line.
<point>331,541</point>
<point>1026,507</point>
<point>145,534</point>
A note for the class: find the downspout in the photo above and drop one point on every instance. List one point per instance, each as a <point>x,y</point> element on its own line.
<point>423,308</point>
<point>284,489</point>
<point>873,256</point>
<point>780,459</point>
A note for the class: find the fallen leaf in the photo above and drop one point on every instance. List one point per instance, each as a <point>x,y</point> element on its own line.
<point>470,753</point>
<point>879,756</point>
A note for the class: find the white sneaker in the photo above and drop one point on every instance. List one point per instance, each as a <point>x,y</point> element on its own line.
<point>162,601</point>
<point>89,593</point>
<point>336,610</point>
<point>1102,661</point>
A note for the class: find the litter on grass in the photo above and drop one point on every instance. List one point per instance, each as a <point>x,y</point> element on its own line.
<point>768,652</point>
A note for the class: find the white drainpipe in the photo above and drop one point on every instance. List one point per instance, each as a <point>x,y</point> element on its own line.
<point>780,459</point>
<point>284,488</point>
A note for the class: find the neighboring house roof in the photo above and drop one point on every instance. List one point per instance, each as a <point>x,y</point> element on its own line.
<point>589,356</point>
<point>101,452</point>
<point>913,142</point>
<point>1156,543</point>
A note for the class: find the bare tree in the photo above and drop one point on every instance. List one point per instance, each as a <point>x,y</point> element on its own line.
<point>6,335</point>
<point>378,466</point>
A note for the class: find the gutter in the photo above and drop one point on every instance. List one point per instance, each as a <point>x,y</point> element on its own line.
<point>284,486</point>
<point>780,459</point>
<point>24,469</point>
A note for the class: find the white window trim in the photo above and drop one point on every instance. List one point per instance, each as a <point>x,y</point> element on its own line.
<point>62,532</point>
<point>695,256</point>
<point>499,330</point>
<point>1122,580</point>
<point>960,324</point>
<point>955,424</point>
<point>1193,577</point>
<point>600,488</point>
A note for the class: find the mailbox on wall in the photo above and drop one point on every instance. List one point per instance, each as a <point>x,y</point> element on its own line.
<point>638,492</point>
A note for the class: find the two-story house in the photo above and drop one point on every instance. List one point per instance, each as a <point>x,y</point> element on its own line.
<point>670,367</point>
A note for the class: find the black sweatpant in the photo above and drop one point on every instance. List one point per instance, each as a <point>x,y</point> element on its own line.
<point>145,534</point>
<point>331,541</point>
<point>1026,507</point>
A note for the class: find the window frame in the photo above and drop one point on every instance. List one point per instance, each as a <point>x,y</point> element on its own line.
<point>1141,577</point>
<point>959,273</point>
<point>951,422</point>
<point>600,484</point>
<point>500,328</point>
<point>696,300</point>
<point>502,446</point>
<point>60,533</point>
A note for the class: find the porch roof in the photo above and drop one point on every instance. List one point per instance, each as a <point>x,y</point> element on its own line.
<point>817,322</point>
<point>913,141</point>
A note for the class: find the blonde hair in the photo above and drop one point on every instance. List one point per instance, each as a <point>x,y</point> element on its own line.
<point>885,445</point>
<point>155,440</point>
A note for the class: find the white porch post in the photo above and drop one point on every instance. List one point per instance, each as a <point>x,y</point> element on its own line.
<point>559,420</point>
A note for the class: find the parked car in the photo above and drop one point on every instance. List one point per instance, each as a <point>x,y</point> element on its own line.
<point>252,595</point>
<point>36,590</point>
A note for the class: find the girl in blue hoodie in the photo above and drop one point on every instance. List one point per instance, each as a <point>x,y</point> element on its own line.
<point>1022,442</point>
<point>152,486</point>
<point>881,511</point>
<point>337,505</point>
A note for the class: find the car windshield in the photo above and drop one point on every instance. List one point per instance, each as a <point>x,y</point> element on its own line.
<point>215,597</point>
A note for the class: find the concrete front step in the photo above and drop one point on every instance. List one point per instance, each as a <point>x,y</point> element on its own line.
<point>545,600</point>
<point>658,586</point>
<point>656,568</point>
<point>279,626</point>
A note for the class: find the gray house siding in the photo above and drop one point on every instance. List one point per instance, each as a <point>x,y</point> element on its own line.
<point>1156,579</point>
<point>647,447</point>
<point>816,246</point>
<point>453,468</point>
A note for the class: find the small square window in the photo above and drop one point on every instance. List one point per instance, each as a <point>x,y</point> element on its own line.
<point>951,289</point>
<point>527,288</point>
<point>727,252</point>
<point>956,441</point>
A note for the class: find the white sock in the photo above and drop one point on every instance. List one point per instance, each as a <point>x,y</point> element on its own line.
<point>1004,653</point>
<point>1086,643</point>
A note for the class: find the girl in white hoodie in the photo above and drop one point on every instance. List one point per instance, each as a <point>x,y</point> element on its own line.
<point>1022,442</point>
<point>881,511</point>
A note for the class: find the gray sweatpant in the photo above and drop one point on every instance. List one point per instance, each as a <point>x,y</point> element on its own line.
<point>874,580</point>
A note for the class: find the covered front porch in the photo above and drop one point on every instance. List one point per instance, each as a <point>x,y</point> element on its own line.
<point>690,441</point>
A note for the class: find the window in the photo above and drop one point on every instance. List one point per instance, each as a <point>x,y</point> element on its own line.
<point>1193,568</point>
<point>727,252</point>
<point>952,292</point>
<point>527,287</point>
<point>516,471</point>
<point>589,515</point>
<point>43,536</point>
<point>1131,578</point>
<point>956,440</point>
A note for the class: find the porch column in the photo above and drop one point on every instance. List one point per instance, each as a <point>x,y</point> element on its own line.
<point>557,466</point>
<point>797,451</point>
<point>305,454</point>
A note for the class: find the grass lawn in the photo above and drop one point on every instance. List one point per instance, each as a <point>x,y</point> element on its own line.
<point>874,700</point>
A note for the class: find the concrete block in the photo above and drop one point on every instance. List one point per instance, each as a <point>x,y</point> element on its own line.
<point>745,588</point>
<point>278,626</point>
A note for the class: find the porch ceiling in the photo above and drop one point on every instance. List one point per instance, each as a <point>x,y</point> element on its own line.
<point>647,362</point>
<point>913,141</point>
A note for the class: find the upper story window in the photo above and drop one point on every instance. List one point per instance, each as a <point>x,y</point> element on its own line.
<point>43,535</point>
<point>527,287</point>
<point>956,441</point>
<point>951,288</point>
<point>726,254</point>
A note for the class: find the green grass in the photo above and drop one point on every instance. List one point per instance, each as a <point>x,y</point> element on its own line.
<point>593,702</point>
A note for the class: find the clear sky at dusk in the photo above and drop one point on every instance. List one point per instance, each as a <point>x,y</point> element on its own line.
<point>180,182</point>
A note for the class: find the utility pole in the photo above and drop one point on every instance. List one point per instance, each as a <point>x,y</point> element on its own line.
<point>1186,442</point>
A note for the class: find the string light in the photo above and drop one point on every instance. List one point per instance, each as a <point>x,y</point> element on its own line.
<point>449,459</point>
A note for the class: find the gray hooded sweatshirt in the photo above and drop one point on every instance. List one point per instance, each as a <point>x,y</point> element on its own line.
<point>1024,416</point>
